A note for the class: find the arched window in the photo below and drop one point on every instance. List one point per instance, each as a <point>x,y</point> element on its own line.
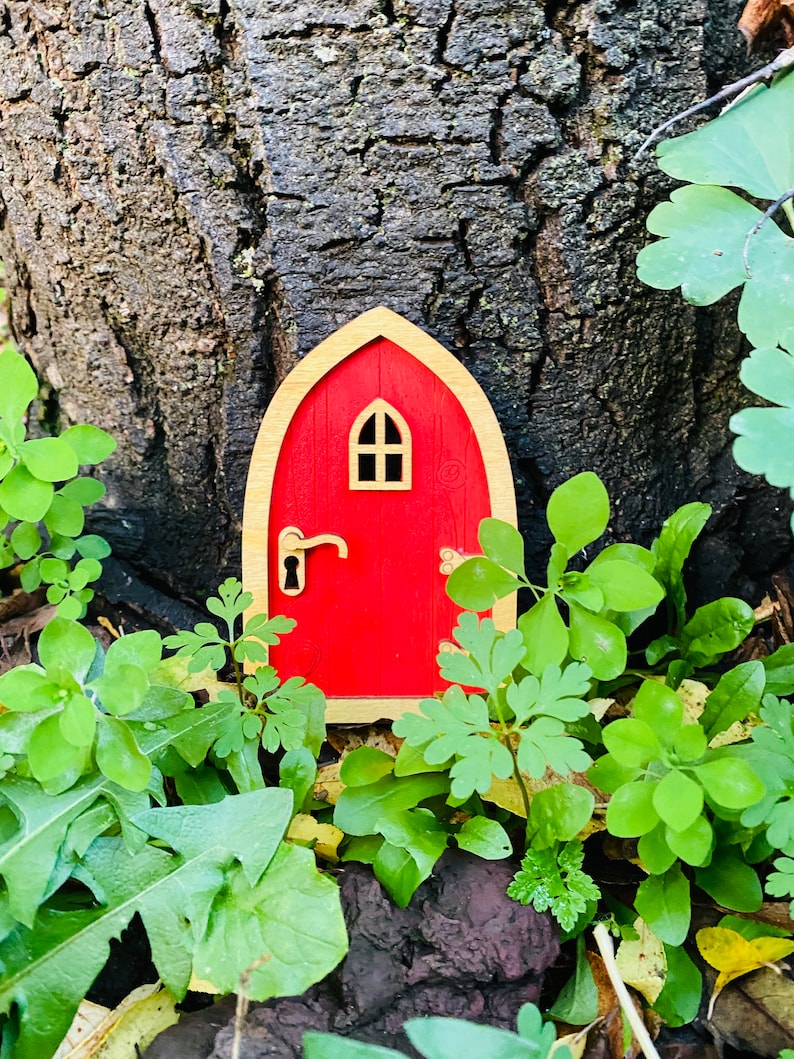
<point>380,449</point>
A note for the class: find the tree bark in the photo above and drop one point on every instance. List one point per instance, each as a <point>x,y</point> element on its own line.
<point>196,192</point>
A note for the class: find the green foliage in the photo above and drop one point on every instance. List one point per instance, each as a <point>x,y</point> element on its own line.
<point>553,879</point>
<point>260,709</point>
<point>604,602</point>
<point>42,496</point>
<point>88,738</point>
<point>713,240</point>
<point>402,823</point>
<point>441,1038</point>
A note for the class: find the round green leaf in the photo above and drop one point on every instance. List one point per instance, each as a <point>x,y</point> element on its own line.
<point>478,582</point>
<point>49,754</point>
<point>485,838</point>
<point>560,812</point>
<point>83,491</point>
<point>689,743</point>
<point>608,774</point>
<point>365,765</point>
<point>86,570</point>
<point>67,644</point>
<point>597,642</point>
<point>90,444</point>
<point>93,546</point>
<point>49,459</point>
<point>660,708</point>
<point>119,757</point>
<point>678,800</point>
<point>631,742</point>
<point>625,586</point>
<point>123,690</point>
<point>144,649</point>
<point>53,571</point>
<point>730,783</point>
<point>631,812</point>
<point>24,497</point>
<point>545,635</point>
<point>18,688</point>
<point>78,721</point>
<point>25,540</point>
<point>65,517</point>
<point>503,543</point>
<point>19,385</point>
<point>71,606</point>
<point>693,845</point>
<point>578,511</point>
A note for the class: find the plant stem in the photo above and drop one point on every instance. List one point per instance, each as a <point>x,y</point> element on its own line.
<point>521,786</point>
<point>640,1030</point>
<point>238,676</point>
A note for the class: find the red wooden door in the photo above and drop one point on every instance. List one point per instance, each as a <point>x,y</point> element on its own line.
<point>371,624</point>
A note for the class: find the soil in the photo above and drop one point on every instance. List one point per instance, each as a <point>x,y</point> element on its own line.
<point>462,948</point>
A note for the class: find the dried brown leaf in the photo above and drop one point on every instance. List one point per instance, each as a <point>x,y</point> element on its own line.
<point>761,19</point>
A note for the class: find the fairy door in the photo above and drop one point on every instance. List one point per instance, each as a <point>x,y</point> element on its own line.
<point>376,461</point>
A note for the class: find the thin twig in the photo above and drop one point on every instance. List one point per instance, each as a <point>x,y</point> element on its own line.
<point>784,59</point>
<point>640,1030</point>
<point>243,1000</point>
<point>785,197</point>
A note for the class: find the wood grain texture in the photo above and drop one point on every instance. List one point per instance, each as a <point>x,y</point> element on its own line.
<point>382,631</point>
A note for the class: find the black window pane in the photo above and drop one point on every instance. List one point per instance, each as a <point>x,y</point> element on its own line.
<point>366,467</point>
<point>392,436</point>
<point>367,435</point>
<point>394,467</point>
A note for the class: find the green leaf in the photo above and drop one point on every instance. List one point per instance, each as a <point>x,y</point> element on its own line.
<point>360,810</point>
<point>365,765</point>
<point>559,813</point>
<point>631,811</point>
<point>484,838</point>
<point>65,517</point>
<point>715,629</point>
<point>49,459</point>
<point>672,548</point>
<point>578,511</point>
<point>49,969</point>
<point>25,540</point>
<point>693,845</point>
<point>89,444</point>
<point>625,586</point>
<point>83,491</point>
<point>631,742</point>
<point>49,755</point>
<point>779,670</point>
<point>679,1001</point>
<point>291,915</point>
<point>24,497</point>
<point>326,1046</point>
<point>748,146</point>
<point>478,582</point>
<point>502,543</point>
<point>397,872</point>
<point>731,882</point>
<point>654,851</point>
<point>65,643</point>
<point>737,693</point>
<point>678,800</point>
<point>440,1038</point>
<point>297,771</point>
<point>118,755</point>
<point>21,687</point>
<point>763,445</point>
<point>92,546</point>
<point>78,721</point>
<point>663,902</point>
<point>730,783</point>
<point>545,635</point>
<point>553,879</point>
<point>660,708</point>
<point>19,385</point>
<point>597,642</point>
<point>608,774</point>
<point>577,1004</point>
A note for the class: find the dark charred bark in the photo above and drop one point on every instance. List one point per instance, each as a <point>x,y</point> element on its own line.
<point>196,192</point>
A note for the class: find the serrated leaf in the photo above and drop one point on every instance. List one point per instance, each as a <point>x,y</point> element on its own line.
<point>578,511</point>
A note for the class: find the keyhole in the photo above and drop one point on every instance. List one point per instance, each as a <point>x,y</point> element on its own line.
<point>291,566</point>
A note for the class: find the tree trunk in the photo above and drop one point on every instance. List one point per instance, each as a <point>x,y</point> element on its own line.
<point>196,192</point>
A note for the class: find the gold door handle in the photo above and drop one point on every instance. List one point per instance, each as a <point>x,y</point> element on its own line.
<point>291,563</point>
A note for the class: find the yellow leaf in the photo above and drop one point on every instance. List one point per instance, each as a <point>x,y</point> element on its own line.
<point>328,786</point>
<point>642,963</point>
<point>324,839</point>
<point>135,1023</point>
<point>174,673</point>
<point>732,955</point>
